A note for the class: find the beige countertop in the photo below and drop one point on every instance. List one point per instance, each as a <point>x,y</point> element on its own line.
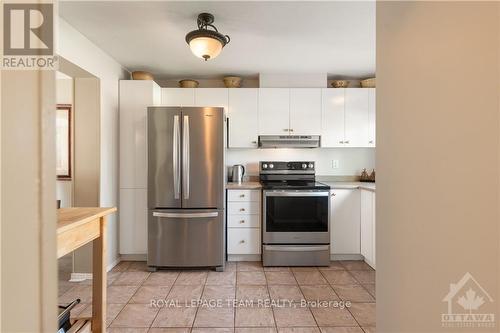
<point>243,186</point>
<point>353,185</point>
<point>334,185</point>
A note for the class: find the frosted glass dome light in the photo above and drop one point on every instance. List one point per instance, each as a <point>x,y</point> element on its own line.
<point>206,43</point>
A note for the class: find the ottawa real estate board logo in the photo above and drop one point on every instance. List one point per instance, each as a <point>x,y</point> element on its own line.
<point>467,302</point>
<point>28,36</point>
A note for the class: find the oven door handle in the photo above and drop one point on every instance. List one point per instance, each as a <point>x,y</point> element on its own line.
<point>296,194</point>
<point>296,248</point>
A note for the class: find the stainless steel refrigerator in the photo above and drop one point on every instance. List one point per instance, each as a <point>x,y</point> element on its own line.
<point>186,187</point>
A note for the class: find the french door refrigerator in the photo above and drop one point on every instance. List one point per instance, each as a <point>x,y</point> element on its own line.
<point>186,187</point>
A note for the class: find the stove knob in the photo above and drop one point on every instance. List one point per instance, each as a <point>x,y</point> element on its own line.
<point>264,166</point>
<point>304,166</point>
<point>311,165</point>
<point>271,166</point>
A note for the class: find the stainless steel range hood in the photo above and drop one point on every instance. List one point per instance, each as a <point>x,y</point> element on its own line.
<point>289,141</point>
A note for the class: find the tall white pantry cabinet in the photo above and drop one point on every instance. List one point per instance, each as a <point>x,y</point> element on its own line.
<point>135,97</point>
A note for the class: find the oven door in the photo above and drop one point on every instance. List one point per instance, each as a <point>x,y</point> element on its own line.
<point>296,217</point>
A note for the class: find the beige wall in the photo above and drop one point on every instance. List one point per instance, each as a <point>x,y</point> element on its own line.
<point>86,179</point>
<point>28,209</point>
<point>77,49</point>
<point>437,158</point>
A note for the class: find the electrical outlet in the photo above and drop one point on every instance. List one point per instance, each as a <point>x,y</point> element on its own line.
<point>335,164</point>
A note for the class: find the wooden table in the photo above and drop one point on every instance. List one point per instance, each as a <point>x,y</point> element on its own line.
<point>75,228</point>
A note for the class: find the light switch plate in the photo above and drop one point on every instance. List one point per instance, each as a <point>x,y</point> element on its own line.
<point>335,164</point>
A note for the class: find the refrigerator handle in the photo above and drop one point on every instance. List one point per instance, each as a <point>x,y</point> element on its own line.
<point>186,215</point>
<point>185,157</point>
<point>175,158</point>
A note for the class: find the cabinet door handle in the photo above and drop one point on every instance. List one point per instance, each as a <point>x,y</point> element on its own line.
<point>242,221</point>
<point>242,241</point>
<point>346,141</point>
<point>291,129</point>
<point>242,195</point>
<point>242,209</point>
<point>333,194</point>
<point>286,130</point>
<point>341,142</point>
<point>371,141</point>
<point>254,142</point>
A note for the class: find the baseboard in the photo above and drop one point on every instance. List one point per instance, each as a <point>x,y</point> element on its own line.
<point>113,264</point>
<point>134,257</point>
<point>371,264</point>
<point>244,257</point>
<point>346,257</point>
<point>79,277</point>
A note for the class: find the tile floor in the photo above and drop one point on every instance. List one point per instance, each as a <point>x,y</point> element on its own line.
<point>131,289</point>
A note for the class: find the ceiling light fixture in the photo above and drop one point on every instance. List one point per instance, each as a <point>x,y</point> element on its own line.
<point>206,43</point>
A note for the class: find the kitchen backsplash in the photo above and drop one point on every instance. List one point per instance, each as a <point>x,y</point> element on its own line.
<point>351,160</point>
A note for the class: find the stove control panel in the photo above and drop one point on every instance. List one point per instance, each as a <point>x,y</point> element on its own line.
<point>291,166</point>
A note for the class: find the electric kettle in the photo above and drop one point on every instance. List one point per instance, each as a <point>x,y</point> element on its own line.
<point>238,172</point>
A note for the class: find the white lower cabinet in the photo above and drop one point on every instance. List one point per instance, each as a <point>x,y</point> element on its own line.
<point>345,221</point>
<point>243,207</point>
<point>243,196</point>
<point>243,241</point>
<point>243,222</point>
<point>368,226</point>
<point>133,213</point>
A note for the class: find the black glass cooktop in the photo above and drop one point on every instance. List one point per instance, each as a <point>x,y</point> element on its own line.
<point>294,185</point>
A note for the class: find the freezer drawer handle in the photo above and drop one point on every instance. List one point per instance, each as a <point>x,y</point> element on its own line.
<point>186,215</point>
<point>296,248</point>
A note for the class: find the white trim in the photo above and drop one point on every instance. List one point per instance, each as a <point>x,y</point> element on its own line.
<point>346,257</point>
<point>134,257</point>
<point>113,264</point>
<point>79,277</point>
<point>244,257</point>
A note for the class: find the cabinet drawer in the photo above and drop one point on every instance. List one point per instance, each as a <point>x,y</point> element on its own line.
<point>243,221</point>
<point>245,208</point>
<point>243,195</point>
<point>243,241</point>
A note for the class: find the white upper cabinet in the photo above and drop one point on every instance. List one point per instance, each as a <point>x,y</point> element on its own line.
<point>177,96</point>
<point>211,97</point>
<point>343,117</point>
<point>243,113</point>
<point>274,111</point>
<point>135,97</point>
<point>305,111</point>
<point>356,117</point>
<point>332,115</point>
<point>371,117</point>
<point>345,221</point>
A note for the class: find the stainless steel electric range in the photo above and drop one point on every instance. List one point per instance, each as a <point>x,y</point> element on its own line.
<point>296,215</point>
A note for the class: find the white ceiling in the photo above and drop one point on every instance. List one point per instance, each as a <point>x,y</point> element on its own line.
<point>266,37</point>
